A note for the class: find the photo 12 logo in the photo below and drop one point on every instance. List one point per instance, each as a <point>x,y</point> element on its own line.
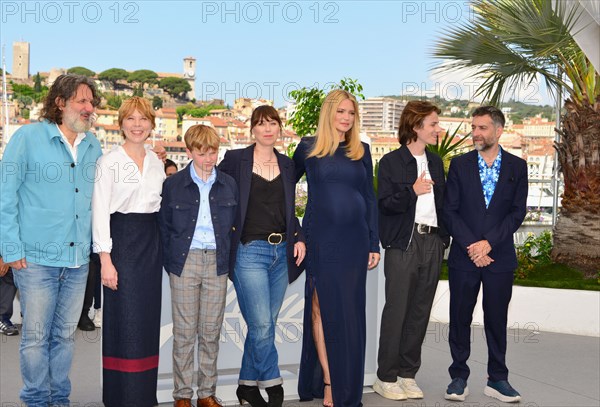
<point>253,12</point>
<point>69,12</point>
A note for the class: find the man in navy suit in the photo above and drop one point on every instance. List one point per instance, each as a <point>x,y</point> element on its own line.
<point>484,204</point>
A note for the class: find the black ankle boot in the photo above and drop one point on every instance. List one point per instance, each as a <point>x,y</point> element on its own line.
<point>251,395</point>
<point>275,396</point>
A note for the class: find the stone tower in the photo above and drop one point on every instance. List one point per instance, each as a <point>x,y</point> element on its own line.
<point>20,68</point>
<point>189,74</point>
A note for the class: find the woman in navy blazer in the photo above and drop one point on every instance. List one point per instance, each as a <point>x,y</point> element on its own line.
<point>267,251</point>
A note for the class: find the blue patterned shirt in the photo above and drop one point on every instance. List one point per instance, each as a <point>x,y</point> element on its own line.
<point>489,176</point>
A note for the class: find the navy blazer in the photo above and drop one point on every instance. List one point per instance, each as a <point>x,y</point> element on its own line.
<point>238,163</point>
<point>468,220</point>
<point>178,213</point>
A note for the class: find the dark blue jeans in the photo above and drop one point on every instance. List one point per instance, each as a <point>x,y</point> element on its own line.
<point>260,281</point>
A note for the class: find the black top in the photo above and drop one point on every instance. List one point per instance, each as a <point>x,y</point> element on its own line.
<point>266,209</point>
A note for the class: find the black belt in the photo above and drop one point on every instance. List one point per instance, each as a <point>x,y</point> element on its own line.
<point>272,238</point>
<point>425,229</point>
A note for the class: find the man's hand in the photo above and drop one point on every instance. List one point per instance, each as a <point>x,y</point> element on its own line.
<point>3,268</point>
<point>483,261</point>
<point>18,264</point>
<point>422,186</point>
<point>478,250</point>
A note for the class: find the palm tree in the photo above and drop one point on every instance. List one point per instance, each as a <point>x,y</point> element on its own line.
<point>512,43</point>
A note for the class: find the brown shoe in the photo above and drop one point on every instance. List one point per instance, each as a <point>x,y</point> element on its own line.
<point>210,401</point>
<point>183,403</point>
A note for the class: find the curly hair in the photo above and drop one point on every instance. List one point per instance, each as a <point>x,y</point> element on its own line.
<point>64,88</point>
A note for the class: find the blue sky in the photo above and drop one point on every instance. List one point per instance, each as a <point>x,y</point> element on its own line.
<point>247,48</point>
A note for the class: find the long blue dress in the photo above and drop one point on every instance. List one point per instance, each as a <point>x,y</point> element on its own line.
<point>340,224</point>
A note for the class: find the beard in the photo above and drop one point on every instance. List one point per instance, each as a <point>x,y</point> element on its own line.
<point>74,121</point>
<point>482,146</point>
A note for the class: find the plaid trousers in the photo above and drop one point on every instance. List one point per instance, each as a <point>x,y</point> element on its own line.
<point>198,304</point>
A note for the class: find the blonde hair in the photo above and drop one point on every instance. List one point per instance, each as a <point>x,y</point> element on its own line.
<point>141,105</point>
<point>327,139</point>
<point>201,138</point>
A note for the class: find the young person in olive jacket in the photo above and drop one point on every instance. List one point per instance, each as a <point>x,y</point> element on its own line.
<point>411,188</point>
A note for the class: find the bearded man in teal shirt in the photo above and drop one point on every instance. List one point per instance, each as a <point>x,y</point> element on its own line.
<point>47,178</point>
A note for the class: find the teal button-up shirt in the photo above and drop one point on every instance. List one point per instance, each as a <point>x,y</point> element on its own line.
<point>45,197</point>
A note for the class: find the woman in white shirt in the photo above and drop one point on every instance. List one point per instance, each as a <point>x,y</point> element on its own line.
<point>125,203</point>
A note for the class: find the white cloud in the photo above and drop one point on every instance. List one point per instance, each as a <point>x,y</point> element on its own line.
<point>463,84</point>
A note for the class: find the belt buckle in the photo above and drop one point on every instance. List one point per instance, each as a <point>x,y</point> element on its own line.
<point>422,229</point>
<point>275,235</point>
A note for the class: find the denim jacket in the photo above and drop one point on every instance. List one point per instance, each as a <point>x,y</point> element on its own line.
<point>178,215</point>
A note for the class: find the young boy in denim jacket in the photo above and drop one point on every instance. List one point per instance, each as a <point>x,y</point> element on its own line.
<point>196,218</point>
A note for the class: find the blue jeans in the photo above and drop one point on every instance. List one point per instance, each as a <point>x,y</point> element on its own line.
<point>260,281</point>
<point>51,301</point>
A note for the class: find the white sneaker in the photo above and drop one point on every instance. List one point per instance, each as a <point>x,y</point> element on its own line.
<point>391,391</point>
<point>410,388</point>
<point>98,318</point>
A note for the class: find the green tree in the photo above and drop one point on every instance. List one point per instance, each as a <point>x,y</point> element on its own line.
<point>113,75</point>
<point>138,91</point>
<point>142,76</point>
<point>183,110</point>
<point>157,102</point>
<point>305,118</point>
<point>27,95</point>
<point>24,90</point>
<point>204,110</point>
<point>114,101</point>
<point>80,70</point>
<point>511,43</point>
<point>37,83</point>
<point>175,87</point>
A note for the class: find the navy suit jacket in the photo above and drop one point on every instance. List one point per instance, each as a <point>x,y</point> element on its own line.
<point>238,163</point>
<point>468,220</point>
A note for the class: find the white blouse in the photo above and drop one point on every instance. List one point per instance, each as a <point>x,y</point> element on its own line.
<point>119,187</point>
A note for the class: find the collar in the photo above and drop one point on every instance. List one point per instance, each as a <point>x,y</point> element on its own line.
<point>187,174</point>
<point>196,178</point>
<point>407,156</point>
<point>497,160</point>
<point>78,138</point>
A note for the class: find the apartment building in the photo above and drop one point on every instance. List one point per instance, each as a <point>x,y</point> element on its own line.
<point>380,113</point>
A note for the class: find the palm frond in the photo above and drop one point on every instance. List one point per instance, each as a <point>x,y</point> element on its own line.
<point>510,43</point>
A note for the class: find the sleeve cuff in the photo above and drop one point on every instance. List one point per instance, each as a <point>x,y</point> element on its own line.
<point>103,247</point>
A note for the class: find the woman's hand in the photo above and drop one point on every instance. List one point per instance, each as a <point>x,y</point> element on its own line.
<point>108,272</point>
<point>373,260</point>
<point>160,152</point>
<point>299,252</point>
